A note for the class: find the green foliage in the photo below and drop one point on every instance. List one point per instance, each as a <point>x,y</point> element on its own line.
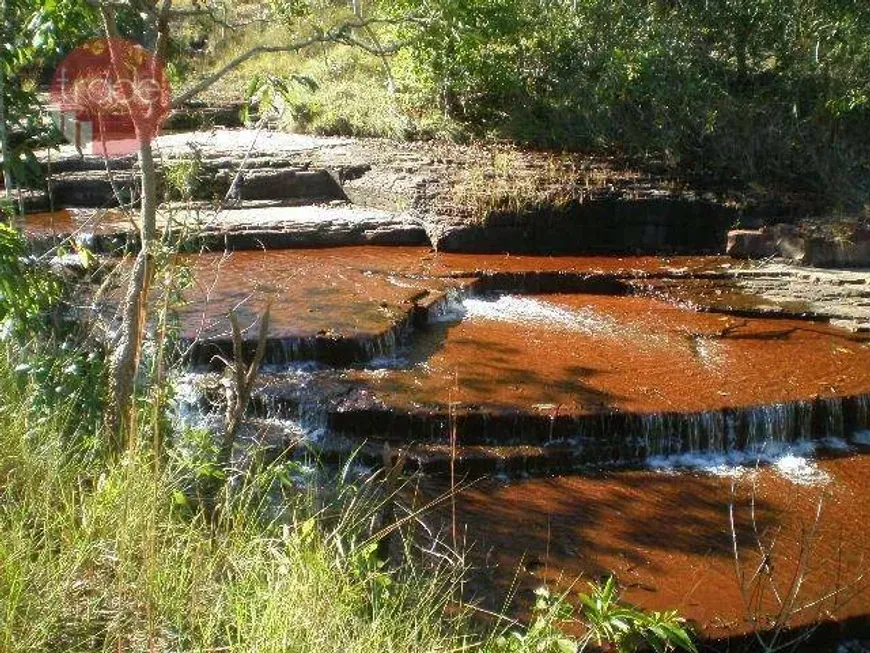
<point>544,635</point>
<point>57,365</point>
<point>629,628</point>
<point>27,291</point>
<point>607,622</point>
<point>35,34</point>
<point>771,91</point>
<point>745,92</point>
<point>100,554</point>
<point>185,178</point>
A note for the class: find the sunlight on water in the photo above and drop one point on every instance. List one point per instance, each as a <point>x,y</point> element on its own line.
<point>514,309</point>
<point>510,308</point>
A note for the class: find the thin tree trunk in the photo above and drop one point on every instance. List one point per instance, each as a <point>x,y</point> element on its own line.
<point>4,137</point>
<point>124,363</point>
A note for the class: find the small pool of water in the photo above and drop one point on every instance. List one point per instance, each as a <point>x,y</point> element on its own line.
<point>587,353</point>
<point>667,537</point>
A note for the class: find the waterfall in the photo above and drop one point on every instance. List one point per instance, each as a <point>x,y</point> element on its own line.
<point>783,422</point>
<point>626,437</point>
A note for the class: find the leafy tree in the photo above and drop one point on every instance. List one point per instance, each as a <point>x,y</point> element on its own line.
<point>305,29</point>
<point>34,34</point>
<point>754,90</point>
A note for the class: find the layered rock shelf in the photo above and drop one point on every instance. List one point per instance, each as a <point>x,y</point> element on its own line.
<point>483,312</point>
<point>430,291</point>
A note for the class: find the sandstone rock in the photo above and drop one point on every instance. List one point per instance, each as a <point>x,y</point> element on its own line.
<point>598,225</point>
<point>750,243</point>
<point>270,226</point>
<point>819,244</point>
<point>853,251</point>
<point>790,243</point>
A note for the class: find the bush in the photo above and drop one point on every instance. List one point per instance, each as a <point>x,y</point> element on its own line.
<point>752,91</point>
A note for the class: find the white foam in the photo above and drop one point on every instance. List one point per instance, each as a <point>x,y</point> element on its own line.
<point>801,471</point>
<point>186,401</point>
<point>792,461</point>
<point>710,353</point>
<point>525,310</point>
<point>862,438</point>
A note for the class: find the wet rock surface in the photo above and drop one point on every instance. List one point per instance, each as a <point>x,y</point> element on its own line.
<point>251,226</point>
<point>775,289</point>
<point>336,306</point>
<point>666,537</point>
<point>508,350</point>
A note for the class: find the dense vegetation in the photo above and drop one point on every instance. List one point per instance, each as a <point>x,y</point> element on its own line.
<point>740,91</point>
<point>768,92</point>
<point>756,89</point>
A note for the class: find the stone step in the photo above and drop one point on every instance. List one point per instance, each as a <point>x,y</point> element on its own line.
<point>245,226</point>
<point>346,306</point>
<point>602,223</point>
<point>619,214</point>
<point>467,463</point>
<point>337,307</point>
<point>566,441</point>
<point>92,188</point>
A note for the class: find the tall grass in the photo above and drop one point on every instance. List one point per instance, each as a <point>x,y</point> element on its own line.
<point>100,555</point>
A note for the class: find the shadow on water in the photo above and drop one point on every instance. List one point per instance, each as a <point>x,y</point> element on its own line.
<point>496,366</point>
<point>667,539</point>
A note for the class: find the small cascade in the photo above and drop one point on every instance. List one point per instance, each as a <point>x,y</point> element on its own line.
<point>449,307</point>
<point>860,428</point>
<point>783,422</point>
<point>835,421</point>
<point>715,432</point>
<point>336,350</point>
<point>545,383</point>
<point>862,409</point>
<point>296,399</point>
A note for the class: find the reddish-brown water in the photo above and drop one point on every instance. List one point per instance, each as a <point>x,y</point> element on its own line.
<point>627,265</point>
<point>353,290</point>
<point>585,353</point>
<point>68,222</point>
<point>347,292</point>
<point>667,539</point>
<point>310,291</point>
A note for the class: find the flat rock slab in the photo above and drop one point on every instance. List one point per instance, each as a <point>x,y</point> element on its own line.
<point>579,354</point>
<point>262,226</point>
<point>326,225</point>
<point>841,297</point>
<point>347,305</point>
<point>335,306</point>
<point>472,199</point>
<point>826,244</point>
<point>221,145</point>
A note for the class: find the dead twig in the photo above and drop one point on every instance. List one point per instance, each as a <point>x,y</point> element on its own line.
<point>241,381</point>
